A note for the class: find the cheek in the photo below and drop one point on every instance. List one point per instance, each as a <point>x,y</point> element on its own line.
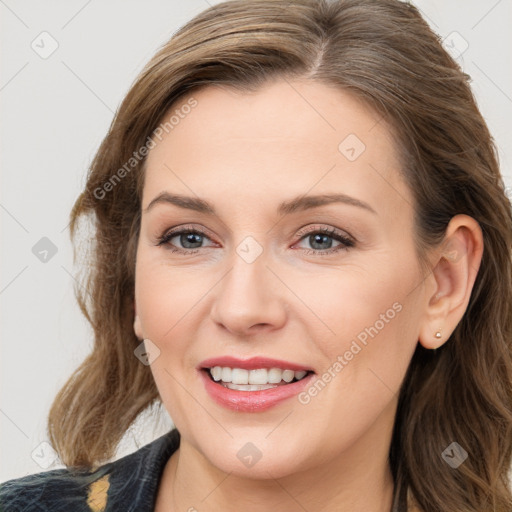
<point>354,306</point>
<point>164,295</point>
<point>165,299</point>
<point>367,357</point>
<point>370,321</point>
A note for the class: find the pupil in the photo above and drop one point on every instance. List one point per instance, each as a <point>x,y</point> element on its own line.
<point>320,238</point>
<point>189,238</point>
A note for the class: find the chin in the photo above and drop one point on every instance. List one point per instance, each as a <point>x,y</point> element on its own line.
<point>256,460</point>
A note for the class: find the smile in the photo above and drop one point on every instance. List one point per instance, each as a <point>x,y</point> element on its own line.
<point>254,380</point>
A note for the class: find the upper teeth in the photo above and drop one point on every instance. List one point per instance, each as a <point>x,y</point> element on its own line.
<point>258,376</point>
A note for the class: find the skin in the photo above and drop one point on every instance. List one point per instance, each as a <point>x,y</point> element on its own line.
<point>245,153</point>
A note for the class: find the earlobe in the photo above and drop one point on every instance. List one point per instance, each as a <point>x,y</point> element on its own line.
<point>137,328</point>
<point>452,279</point>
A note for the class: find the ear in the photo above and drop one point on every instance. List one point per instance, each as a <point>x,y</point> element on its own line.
<point>451,280</point>
<point>136,323</point>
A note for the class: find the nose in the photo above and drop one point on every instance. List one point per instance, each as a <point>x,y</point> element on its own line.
<point>249,298</point>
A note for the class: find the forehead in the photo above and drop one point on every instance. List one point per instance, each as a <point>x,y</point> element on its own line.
<point>283,139</point>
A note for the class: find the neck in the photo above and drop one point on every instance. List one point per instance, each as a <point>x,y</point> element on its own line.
<point>357,480</point>
<point>321,490</point>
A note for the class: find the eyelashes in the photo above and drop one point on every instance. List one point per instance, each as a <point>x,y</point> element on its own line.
<point>314,235</point>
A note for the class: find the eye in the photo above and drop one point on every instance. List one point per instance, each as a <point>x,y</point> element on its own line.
<point>319,239</point>
<point>191,240</point>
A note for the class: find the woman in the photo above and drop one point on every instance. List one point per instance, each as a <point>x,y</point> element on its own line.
<point>303,249</point>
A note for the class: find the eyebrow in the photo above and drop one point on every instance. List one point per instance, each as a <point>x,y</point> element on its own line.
<point>299,203</point>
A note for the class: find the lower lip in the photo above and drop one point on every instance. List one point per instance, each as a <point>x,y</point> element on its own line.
<point>252,401</point>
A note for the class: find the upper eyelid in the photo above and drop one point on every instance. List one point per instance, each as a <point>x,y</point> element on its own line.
<point>307,227</point>
<point>302,232</point>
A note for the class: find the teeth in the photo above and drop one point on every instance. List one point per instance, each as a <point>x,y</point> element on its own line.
<point>288,375</point>
<point>225,374</point>
<point>249,387</point>
<point>275,375</point>
<point>258,377</point>
<point>238,376</point>
<point>216,373</point>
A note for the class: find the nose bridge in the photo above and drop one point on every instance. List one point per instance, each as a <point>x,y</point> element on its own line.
<point>249,293</point>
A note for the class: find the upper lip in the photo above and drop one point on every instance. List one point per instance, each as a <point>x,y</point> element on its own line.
<point>252,364</point>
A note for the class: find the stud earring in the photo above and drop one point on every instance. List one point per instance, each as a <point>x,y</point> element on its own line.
<point>438,334</point>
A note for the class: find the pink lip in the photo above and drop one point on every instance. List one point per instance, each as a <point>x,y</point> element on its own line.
<point>251,401</point>
<point>252,364</point>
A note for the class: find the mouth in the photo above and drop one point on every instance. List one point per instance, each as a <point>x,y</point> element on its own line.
<point>257,379</point>
<point>255,384</point>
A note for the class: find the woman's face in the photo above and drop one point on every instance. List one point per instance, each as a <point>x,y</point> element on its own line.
<point>263,281</point>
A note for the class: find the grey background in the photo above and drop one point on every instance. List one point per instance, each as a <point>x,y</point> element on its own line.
<point>55,112</point>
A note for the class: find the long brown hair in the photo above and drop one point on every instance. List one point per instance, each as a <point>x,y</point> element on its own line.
<point>383,52</point>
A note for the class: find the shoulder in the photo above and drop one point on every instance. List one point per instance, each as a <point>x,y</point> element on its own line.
<point>132,479</point>
<point>44,491</point>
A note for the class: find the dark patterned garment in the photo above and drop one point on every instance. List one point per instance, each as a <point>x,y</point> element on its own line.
<point>125,485</point>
